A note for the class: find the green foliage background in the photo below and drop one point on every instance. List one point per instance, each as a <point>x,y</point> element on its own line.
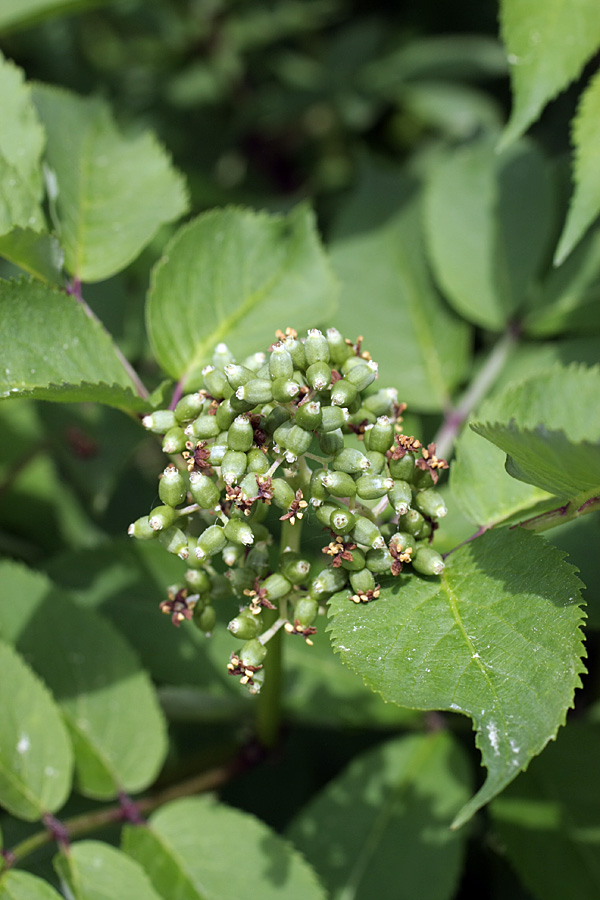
<point>200,171</point>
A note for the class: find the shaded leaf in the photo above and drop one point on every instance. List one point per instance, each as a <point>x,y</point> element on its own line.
<point>549,426</point>
<point>108,702</point>
<point>21,146</point>
<point>377,251</point>
<point>497,638</point>
<point>93,870</point>
<point>548,42</point>
<point>15,885</point>
<point>52,350</point>
<point>547,819</point>
<point>22,13</point>
<point>199,849</point>
<point>381,828</point>
<point>585,202</point>
<point>489,222</point>
<point>234,275</point>
<point>114,192</point>
<point>38,253</point>
<point>36,759</point>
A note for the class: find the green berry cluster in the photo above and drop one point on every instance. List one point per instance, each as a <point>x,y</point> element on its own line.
<point>272,432</point>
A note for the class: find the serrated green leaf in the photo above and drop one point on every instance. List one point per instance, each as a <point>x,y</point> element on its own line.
<point>21,146</point>
<point>52,350</point>
<point>92,870</point>
<point>381,828</point>
<point>15,885</point>
<point>489,222</point>
<point>36,759</point>
<point>585,202</point>
<point>483,489</point>
<point>378,254</point>
<point>199,849</point>
<point>548,42</point>
<point>547,820</point>
<point>38,253</point>
<point>108,702</point>
<point>234,275</point>
<point>113,192</point>
<point>568,299</point>
<point>497,638</point>
<point>549,426</point>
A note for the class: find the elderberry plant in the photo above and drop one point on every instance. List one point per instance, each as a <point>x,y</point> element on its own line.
<point>273,430</point>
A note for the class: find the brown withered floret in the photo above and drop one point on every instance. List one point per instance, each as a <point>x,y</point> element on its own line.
<point>430,462</point>
<point>366,596</point>
<point>296,510</point>
<point>357,347</point>
<point>197,456</point>
<point>339,550</point>
<point>404,444</point>
<point>358,430</point>
<point>235,666</point>
<point>235,495</point>
<point>400,557</point>
<point>258,599</point>
<point>176,605</point>
<point>265,488</point>
<point>305,630</point>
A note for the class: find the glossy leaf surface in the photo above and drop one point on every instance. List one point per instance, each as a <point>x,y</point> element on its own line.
<point>93,870</point>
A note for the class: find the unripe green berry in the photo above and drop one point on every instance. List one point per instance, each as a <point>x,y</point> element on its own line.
<point>412,522</point>
<point>318,376</point>
<point>189,407</point>
<point>161,517</point>
<point>339,484</point>
<point>198,580</point>
<point>275,418</point>
<point>372,487</point>
<point>294,567</point>
<point>339,350</point>
<point>174,440</point>
<point>342,521</point>
<point>283,493</point>
<point>430,503</point>
<point>382,402</point>
<point>210,542</point>
<point>237,375</point>
<point>367,533</point>
<point>172,488</point>
<point>403,540</point>
<point>215,382</point>
<point>329,581</point>
<point>232,554</point>
<point>225,414</point>
<point>241,580</point>
<point>174,541</point>
<point>253,653</point>
<point>296,350</point>
<point>218,449</point>
<point>332,418</point>
<point>233,466</point>
<point>331,442</point>
<point>222,356</point>
<point>305,611</point>
<point>317,491</point>
<point>257,560</point>
<point>257,461</point>
<point>141,530</point>
<point>349,460</point>
<point>240,435</point>
<point>160,421</point>
<point>357,562</point>
<point>380,436</point>
<point>360,415</point>
<point>379,561</point>
<point>239,532</point>
<point>276,586</point>
<point>362,376</point>
<point>298,440</point>
<point>284,390</point>
<point>281,364</point>
<point>281,433</point>
<point>239,405</point>
<point>400,496</point>
<point>377,461</point>
<point>324,513</point>
<point>362,581</point>
<point>427,561</point>
<point>203,427</point>
<point>245,626</point>
<point>204,490</point>
<point>256,361</point>
<point>206,619</point>
<point>309,415</point>
<point>316,347</point>
<point>402,469</point>
<point>256,392</point>
<point>343,393</point>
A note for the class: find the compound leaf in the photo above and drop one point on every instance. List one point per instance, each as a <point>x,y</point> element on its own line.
<point>585,203</point>
<point>199,849</point>
<point>36,759</point>
<point>377,252</point>
<point>92,870</point>
<point>52,350</point>
<point>386,821</point>
<point>548,42</point>
<point>549,426</point>
<point>231,275</point>
<point>108,702</point>
<point>15,885</point>
<point>497,638</point>
<point>112,192</point>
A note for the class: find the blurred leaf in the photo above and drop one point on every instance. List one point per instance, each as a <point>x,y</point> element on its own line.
<point>38,253</point>
<point>21,146</point>
<point>547,819</point>
<point>52,350</point>
<point>548,42</point>
<point>489,221</point>
<point>580,538</point>
<point>234,275</point>
<point>92,870</point>
<point>381,828</point>
<point>36,759</point>
<point>196,847</point>
<point>568,299</point>
<point>490,639</point>
<point>549,426</point>
<point>113,192</point>
<point>585,202</point>
<point>107,701</point>
<point>15,885</point>
<point>458,110</point>
<point>23,13</point>
<point>387,294</point>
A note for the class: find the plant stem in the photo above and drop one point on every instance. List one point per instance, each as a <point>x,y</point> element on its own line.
<point>268,714</point>
<point>479,387</point>
<point>574,509</point>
